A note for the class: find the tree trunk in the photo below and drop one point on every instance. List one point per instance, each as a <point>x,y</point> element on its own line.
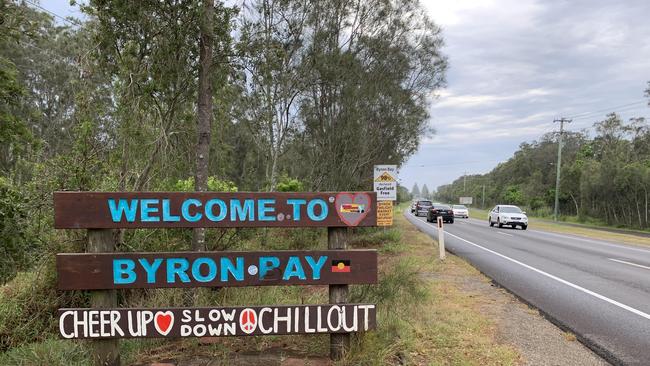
<point>638,212</point>
<point>645,191</point>
<point>576,204</point>
<point>204,125</point>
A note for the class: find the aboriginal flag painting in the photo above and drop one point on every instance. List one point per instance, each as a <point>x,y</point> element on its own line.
<point>341,265</point>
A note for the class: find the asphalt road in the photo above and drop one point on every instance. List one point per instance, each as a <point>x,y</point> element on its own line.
<point>599,290</point>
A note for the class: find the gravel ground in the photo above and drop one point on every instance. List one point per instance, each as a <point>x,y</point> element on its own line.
<point>539,341</point>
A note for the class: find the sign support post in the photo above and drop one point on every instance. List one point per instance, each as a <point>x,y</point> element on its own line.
<point>105,351</point>
<point>339,343</point>
<point>441,238</point>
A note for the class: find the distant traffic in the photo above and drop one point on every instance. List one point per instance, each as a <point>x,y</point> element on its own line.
<point>500,215</point>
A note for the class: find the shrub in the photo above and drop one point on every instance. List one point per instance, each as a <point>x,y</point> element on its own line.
<point>287,184</point>
<point>28,304</point>
<point>214,185</point>
<point>14,251</point>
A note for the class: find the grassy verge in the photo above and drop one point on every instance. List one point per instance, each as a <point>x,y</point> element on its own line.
<point>423,319</point>
<point>574,229</point>
<point>436,322</point>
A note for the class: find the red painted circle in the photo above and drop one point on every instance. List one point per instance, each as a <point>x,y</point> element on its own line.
<point>248,321</point>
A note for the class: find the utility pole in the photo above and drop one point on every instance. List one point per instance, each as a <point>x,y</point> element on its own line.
<point>557,167</point>
<point>464,181</point>
<point>483,204</point>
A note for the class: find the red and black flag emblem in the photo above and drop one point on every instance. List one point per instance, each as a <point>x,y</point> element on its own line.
<point>341,265</point>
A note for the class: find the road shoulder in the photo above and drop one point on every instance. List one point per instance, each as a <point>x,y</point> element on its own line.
<point>509,322</point>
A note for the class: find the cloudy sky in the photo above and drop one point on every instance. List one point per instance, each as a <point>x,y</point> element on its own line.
<point>515,65</point>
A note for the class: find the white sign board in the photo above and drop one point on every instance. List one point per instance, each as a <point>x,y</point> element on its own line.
<point>465,200</point>
<point>385,182</point>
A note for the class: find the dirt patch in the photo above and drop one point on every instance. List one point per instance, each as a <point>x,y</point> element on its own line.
<point>270,357</point>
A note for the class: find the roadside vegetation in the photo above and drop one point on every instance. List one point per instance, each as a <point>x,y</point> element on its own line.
<point>306,96</point>
<point>423,319</point>
<point>605,176</point>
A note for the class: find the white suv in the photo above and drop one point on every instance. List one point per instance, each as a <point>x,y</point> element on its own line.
<point>508,215</point>
<point>460,211</point>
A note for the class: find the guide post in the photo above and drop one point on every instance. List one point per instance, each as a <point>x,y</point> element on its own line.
<point>441,238</point>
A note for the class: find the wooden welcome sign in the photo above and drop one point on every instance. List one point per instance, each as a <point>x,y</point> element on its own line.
<point>103,210</point>
<point>215,269</point>
<point>103,271</point>
<point>215,322</point>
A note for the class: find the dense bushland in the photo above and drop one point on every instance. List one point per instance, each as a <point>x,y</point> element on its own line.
<point>605,177</point>
<point>307,95</point>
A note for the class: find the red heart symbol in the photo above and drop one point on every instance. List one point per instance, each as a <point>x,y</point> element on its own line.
<point>163,320</point>
<point>352,208</point>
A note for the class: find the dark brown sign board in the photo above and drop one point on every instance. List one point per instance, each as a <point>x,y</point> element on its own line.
<point>215,322</point>
<point>105,210</point>
<point>101,271</point>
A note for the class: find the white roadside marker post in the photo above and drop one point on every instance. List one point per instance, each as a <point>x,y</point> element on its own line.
<point>441,238</point>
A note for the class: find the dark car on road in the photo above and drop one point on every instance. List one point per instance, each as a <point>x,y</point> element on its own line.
<point>422,207</point>
<point>440,210</point>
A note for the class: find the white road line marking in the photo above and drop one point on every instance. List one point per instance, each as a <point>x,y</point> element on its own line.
<point>558,279</point>
<point>575,237</point>
<point>502,233</point>
<point>628,263</point>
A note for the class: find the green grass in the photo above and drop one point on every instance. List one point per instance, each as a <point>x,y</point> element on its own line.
<point>51,352</point>
<point>387,240</point>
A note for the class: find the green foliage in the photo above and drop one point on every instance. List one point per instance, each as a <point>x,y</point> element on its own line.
<point>513,196</point>
<point>214,184</point>
<point>14,134</point>
<point>415,191</point>
<point>425,192</point>
<point>403,194</point>
<point>287,184</point>
<point>604,179</point>
<point>14,220</point>
<point>110,105</point>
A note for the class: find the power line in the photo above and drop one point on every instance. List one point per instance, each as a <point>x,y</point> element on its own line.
<point>452,164</point>
<point>609,109</point>
<point>73,22</point>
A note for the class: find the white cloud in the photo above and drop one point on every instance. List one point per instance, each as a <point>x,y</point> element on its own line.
<point>515,65</point>
<point>449,99</point>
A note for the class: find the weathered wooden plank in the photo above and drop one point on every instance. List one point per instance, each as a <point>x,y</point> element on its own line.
<point>215,269</point>
<point>215,322</point>
<point>77,210</point>
<point>337,239</point>
<point>106,352</point>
